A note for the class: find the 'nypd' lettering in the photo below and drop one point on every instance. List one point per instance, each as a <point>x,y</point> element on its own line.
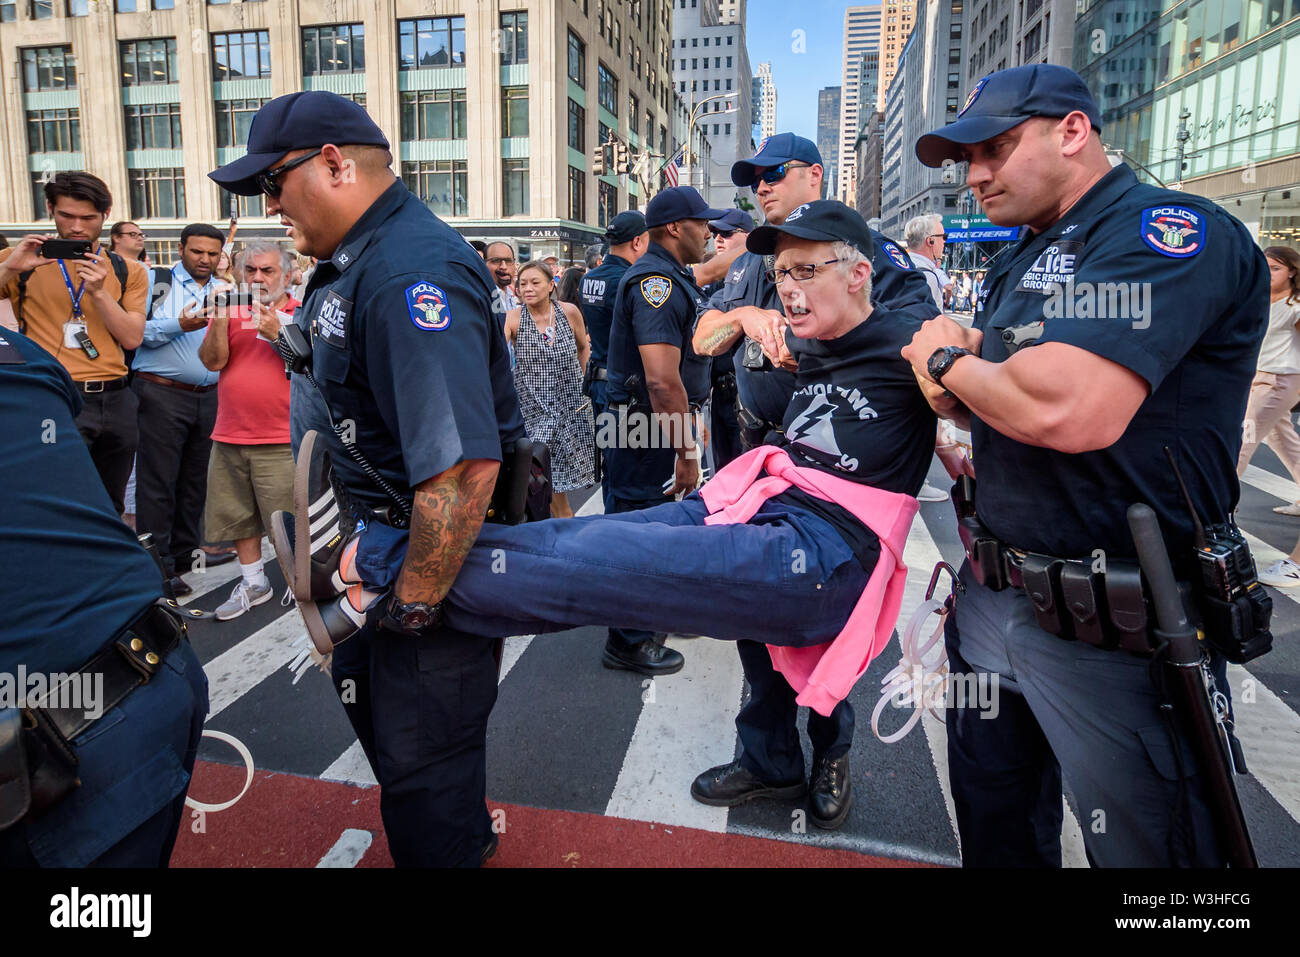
<point>332,320</point>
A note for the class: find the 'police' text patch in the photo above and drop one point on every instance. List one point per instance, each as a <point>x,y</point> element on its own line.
<point>428,307</point>
<point>656,290</point>
<point>897,255</point>
<point>332,320</point>
<point>1174,231</point>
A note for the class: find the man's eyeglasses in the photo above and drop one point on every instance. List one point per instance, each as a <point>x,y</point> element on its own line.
<point>943,236</point>
<point>801,272</point>
<point>268,181</point>
<point>500,261</point>
<point>132,235</point>
<point>774,174</point>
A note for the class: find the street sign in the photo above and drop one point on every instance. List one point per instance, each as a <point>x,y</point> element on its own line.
<point>962,228</point>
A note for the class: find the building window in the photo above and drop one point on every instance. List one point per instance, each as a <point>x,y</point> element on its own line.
<point>157,193</point>
<point>603,134</point>
<point>578,195</point>
<point>78,8</point>
<point>514,111</point>
<point>153,126</point>
<point>728,65</point>
<point>54,131</point>
<point>442,185</point>
<point>49,68</point>
<point>577,61</point>
<point>40,10</point>
<point>149,61</point>
<point>514,37</point>
<point>240,55</point>
<point>338,48</point>
<point>633,114</point>
<point>240,207</point>
<point>727,129</point>
<point>429,44</point>
<point>234,117</point>
<point>577,127</point>
<point>514,187</point>
<point>434,115</point>
<point>608,203</point>
<point>8,12</point>
<point>607,89</point>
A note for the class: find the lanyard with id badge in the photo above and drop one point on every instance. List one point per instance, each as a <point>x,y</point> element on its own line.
<point>75,335</point>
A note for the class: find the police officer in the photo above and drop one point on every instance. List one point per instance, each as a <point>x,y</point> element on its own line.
<point>785,174</point>
<point>87,607</point>
<point>652,368</point>
<point>1070,398</point>
<point>627,240</point>
<point>729,231</point>
<point>406,353</point>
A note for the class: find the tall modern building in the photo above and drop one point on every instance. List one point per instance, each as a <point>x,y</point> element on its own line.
<point>870,152</point>
<point>895,152</point>
<point>828,136</point>
<point>492,108</point>
<point>765,103</point>
<point>1226,75</point>
<point>710,70</point>
<point>896,20</point>
<point>1001,35</point>
<point>861,35</point>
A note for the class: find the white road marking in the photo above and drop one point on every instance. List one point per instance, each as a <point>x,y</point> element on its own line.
<point>351,767</point>
<point>1266,481</point>
<point>510,655</point>
<point>236,672</point>
<point>1270,735</point>
<point>348,849</point>
<point>210,579</point>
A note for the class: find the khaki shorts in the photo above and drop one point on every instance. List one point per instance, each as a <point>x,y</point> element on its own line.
<point>246,483</point>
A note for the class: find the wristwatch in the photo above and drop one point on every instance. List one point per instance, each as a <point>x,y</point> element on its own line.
<point>415,618</point>
<point>941,361</point>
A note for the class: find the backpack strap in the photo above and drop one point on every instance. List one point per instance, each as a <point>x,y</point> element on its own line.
<point>22,297</point>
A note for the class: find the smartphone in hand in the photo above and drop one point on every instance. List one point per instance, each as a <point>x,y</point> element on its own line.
<point>65,248</point>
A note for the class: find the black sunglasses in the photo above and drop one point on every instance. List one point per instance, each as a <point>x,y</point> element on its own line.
<point>268,180</point>
<point>774,174</point>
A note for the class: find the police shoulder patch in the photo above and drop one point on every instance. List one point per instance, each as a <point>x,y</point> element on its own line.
<point>428,306</point>
<point>656,290</point>
<point>898,257</point>
<point>1174,231</point>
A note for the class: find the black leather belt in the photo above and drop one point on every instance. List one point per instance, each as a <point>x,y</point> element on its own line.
<point>93,386</point>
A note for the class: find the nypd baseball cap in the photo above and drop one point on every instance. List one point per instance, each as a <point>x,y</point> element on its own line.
<point>625,227</point>
<point>678,202</point>
<point>824,220</point>
<point>773,151</point>
<point>732,220</point>
<point>1005,99</point>
<point>297,121</point>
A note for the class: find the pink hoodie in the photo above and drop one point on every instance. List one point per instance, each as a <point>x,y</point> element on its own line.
<point>823,675</point>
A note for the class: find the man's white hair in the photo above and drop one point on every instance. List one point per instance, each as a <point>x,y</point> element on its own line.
<point>258,247</point>
<point>849,256</point>
<point>921,228</point>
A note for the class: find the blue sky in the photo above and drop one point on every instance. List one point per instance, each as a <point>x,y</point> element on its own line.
<point>770,31</point>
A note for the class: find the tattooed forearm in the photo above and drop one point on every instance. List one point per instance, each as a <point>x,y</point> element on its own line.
<point>445,521</point>
<point>719,336</point>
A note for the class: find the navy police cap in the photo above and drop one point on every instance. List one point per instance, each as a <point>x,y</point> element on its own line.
<point>677,202</point>
<point>1005,99</point>
<point>823,220</point>
<point>625,227</point>
<point>732,220</point>
<point>773,151</point>
<point>297,121</point>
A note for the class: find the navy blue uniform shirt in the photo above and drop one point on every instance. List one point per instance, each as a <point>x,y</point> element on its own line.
<point>657,302</point>
<point>599,289</point>
<point>76,573</point>
<point>895,285</point>
<point>405,346</point>
<point>1168,285</point>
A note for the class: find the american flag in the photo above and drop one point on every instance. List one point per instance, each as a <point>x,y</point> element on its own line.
<point>670,172</point>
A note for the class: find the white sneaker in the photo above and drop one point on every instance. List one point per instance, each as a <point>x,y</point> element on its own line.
<point>1283,573</point>
<point>244,597</point>
<point>929,493</point>
<point>1292,509</point>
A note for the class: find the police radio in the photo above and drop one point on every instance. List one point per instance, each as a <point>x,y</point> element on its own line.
<point>1235,608</point>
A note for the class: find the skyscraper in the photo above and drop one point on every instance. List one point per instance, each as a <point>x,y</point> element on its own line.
<point>765,105</point>
<point>861,35</point>
<point>828,134</point>
<point>896,21</point>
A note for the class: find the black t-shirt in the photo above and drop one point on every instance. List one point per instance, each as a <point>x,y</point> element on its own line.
<point>857,413</point>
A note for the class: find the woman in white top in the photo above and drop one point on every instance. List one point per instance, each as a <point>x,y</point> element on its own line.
<point>1275,390</point>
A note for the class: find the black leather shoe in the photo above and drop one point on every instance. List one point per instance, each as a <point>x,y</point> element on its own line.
<point>178,586</point>
<point>832,792</point>
<point>651,658</point>
<point>730,784</point>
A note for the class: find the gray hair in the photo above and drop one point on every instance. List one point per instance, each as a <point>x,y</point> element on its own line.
<point>921,228</point>
<point>594,252</point>
<point>258,247</point>
<point>849,256</point>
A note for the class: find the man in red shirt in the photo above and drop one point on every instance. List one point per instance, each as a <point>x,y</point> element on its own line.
<point>250,473</point>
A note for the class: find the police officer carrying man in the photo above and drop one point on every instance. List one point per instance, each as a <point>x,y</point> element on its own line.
<point>115,742</point>
<point>729,231</point>
<point>627,240</point>
<point>785,174</point>
<point>1070,404</point>
<point>409,360</point>
<point>652,368</point>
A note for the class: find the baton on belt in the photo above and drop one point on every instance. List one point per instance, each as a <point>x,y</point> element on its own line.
<point>1188,694</point>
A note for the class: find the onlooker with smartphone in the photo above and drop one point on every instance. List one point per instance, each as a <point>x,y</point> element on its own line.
<point>84,312</point>
<point>178,404</point>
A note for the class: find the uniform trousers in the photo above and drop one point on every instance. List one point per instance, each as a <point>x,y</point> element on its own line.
<point>1062,707</point>
<point>171,472</point>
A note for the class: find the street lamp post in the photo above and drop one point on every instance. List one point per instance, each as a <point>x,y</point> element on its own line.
<point>695,115</point>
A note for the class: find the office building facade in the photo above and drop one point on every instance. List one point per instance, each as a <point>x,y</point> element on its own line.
<point>897,18</point>
<point>828,135</point>
<point>861,35</point>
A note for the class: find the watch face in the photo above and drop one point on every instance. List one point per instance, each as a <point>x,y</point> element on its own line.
<point>415,619</point>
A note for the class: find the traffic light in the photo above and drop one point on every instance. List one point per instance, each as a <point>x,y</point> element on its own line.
<point>621,162</point>
<point>598,159</point>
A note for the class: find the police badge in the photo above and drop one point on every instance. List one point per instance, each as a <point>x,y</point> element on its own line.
<point>656,289</point>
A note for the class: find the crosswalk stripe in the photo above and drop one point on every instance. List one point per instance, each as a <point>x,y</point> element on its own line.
<point>348,849</point>
<point>1276,485</point>
<point>351,767</point>
<point>210,579</point>
<point>512,652</point>
<point>237,671</point>
<point>1270,735</point>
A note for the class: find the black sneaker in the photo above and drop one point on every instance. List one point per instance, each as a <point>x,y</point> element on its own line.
<point>331,622</point>
<point>320,528</point>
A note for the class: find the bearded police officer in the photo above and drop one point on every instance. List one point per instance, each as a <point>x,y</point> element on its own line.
<point>653,369</point>
<point>414,370</point>
<point>786,175</point>
<point>1126,320</point>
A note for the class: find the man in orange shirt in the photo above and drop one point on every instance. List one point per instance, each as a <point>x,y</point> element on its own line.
<point>80,313</point>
